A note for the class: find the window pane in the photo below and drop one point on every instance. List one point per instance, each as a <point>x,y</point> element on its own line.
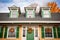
<point>46,12</point>
<point>36,33</point>
<point>46,16</point>
<point>24,28</point>
<point>23,33</point>
<point>48,32</point>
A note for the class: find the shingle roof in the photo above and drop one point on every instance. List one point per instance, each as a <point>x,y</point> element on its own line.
<point>4,18</point>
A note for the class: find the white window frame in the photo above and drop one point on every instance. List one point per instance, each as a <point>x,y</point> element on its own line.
<point>49,14</point>
<point>33,14</point>
<point>8,30</point>
<point>11,13</point>
<point>52,31</point>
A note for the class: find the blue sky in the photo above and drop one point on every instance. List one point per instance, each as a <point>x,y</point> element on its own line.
<point>4,4</point>
<point>6,1</point>
<point>58,2</point>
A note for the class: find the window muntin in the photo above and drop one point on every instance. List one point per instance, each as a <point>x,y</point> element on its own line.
<point>48,32</point>
<point>36,33</point>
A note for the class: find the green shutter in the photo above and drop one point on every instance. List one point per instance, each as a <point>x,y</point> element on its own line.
<point>58,31</point>
<point>17,32</point>
<point>42,31</point>
<point>54,31</point>
<point>1,32</point>
<point>5,33</point>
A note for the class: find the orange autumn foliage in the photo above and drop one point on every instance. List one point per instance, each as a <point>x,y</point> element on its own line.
<point>59,10</point>
<point>54,8</point>
<point>49,4</point>
<point>52,4</point>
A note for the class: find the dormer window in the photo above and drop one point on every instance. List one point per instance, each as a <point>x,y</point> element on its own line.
<point>30,12</point>
<point>45,12</point>
<point>14,11</point>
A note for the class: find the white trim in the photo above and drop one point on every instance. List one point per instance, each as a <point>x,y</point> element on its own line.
<point>24,38</point>
<point>5,11</point>
<point>29,21</point>
<point>52,32</point>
